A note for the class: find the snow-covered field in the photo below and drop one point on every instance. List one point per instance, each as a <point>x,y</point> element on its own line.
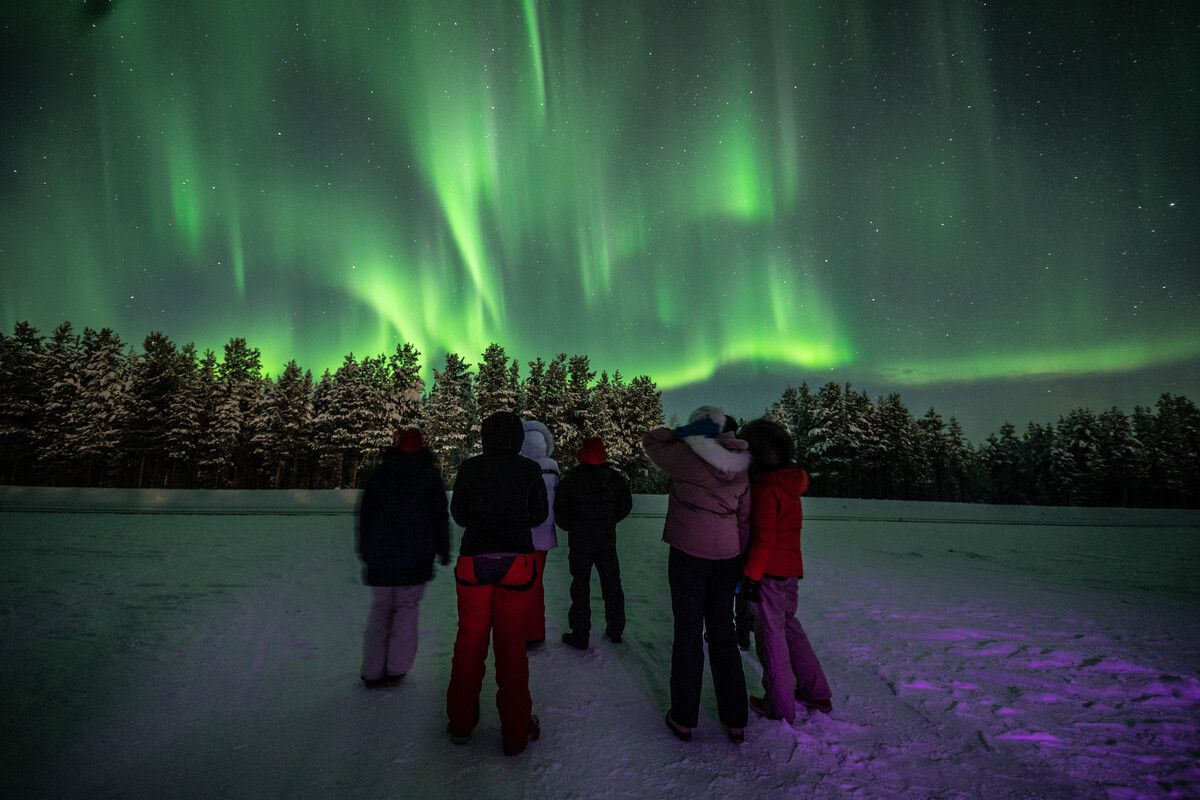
<point>974,652</point>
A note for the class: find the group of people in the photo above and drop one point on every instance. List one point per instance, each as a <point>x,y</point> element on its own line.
<point>733,525</point>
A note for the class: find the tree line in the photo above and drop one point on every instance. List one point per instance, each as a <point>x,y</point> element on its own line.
<point>87,410</point>
<point>854,446</point>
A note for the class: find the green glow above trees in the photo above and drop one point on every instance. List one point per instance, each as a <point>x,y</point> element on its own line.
<point>878,191</point>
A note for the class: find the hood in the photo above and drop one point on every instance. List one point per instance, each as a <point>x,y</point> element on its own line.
<point>790,478</point>
<point>502,434</point>
<point>725,453</point>
<point>539,441</point>
<point>394,457</point>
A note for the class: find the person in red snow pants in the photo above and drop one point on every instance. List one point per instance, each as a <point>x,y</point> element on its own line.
<point>495,598</point>
<point>499,496</point>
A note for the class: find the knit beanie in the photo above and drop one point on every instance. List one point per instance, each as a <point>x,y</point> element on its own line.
<point>592,451</point>
<point>408,440</point>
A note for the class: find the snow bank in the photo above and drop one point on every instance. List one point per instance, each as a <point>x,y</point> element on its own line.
<point>297,502</point>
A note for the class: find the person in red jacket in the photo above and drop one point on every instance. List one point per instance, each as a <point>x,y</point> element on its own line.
<point>774,564</point>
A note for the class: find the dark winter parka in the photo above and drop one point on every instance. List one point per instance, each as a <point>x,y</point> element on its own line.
<point>402,520</point>
<point>499,496</point>
<point>591,500</point>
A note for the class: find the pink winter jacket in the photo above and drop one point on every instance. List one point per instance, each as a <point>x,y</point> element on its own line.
<point>708,510</point>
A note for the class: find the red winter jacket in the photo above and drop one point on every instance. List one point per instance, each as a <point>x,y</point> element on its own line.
<point>775,519</point>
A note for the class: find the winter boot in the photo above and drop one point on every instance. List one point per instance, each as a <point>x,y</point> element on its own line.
<point>534,733</point>
<point>613,636</point>
<point>577,640</point>
<point>681,732</point>
<point>759,706</point>
<point>736,735</point>
<point>824,706</point>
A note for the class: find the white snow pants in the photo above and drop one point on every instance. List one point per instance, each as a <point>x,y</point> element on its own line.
<point>390,641</point>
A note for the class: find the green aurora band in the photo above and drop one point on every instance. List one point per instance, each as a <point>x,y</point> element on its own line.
<point>933,192</point>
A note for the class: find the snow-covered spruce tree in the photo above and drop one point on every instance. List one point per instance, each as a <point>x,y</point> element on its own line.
<point>775,413</point>
<point>1035,478</point>
<point>966,470</point>
<point>903,465</point>
<point>1176,452</point>
<point>281,427</point>
<point>1144,430</point>
<point>379,415</point>
<point>555,409</point>
<point>94,427</point>
<point>493,389</point>
<point>514,386</point>
<point>1003,456</point>
<point>407,387</point>
<point>604,419</point>
<point>240,379</point>
<point>185,417</point>
<point>220,424</point>
<point>354,419</point>
<point>575,422</point>
<point>836,443</point>
<point>936,449</point>
<point>62,363</point>
<point>1122,468</point>
<point>449,416</point>
<point>21,390</point>
<point>643,412</point>
<point>532,391</point>
<point>324,459</point>
<point>1075,458</point>
<point>154,381</point>
<point>864,444</point>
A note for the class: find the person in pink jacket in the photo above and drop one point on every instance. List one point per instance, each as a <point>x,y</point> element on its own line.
<point>708,529</point>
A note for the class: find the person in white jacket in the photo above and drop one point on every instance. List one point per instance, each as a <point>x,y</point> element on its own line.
<point>539,446</point>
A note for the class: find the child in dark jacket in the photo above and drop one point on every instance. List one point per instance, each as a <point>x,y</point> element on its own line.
<point>791,670</point>
<point>402,525</point>
<point>592,498</point>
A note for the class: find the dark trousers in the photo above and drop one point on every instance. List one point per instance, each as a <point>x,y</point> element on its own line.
<point>702,598</point>
<point>604,559</point>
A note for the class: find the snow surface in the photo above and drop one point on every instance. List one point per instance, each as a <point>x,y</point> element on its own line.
<point>973,652</point>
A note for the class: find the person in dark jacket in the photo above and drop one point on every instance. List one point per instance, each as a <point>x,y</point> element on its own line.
<point>402,525</point>
<point>499,497</point>
<point>592,498</point>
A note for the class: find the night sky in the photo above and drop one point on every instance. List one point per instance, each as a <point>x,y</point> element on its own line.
<point>987,207</point>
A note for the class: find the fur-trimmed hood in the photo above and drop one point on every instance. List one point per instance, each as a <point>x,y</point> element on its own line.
<point>725,453</point>
<point>539,441</point>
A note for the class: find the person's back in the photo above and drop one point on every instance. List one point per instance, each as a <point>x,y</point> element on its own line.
<point>776,519</point>
<point>707,527</point>
<point>592,498</point>
<point>774,565</point>
<point>498,498</point>
<point>499,495</point>
<point>402,521</point>
<point>402,525</point>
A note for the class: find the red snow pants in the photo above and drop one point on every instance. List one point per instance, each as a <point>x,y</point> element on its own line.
<point>499,611</point>
<point>536,632</point>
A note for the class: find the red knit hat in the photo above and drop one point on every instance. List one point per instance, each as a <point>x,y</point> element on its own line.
<point>408,440</point>
<point>592,451</point>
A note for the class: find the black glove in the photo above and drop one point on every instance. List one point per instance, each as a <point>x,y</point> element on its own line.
<point>752,590</point>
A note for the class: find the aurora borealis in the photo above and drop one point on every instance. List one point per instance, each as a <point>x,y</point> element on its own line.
<point>929,196</point>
